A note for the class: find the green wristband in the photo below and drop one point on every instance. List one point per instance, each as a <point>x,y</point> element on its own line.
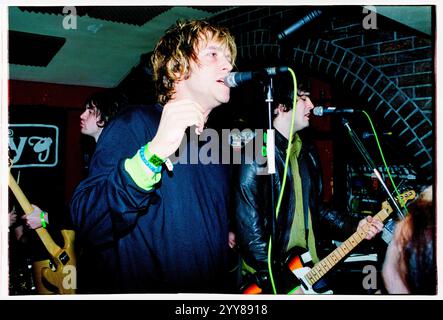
<point>42,219</point>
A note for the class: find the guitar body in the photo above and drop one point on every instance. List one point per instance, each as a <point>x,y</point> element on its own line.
<point>52,274</point>
<point>40,282</point>
<point>299,263</point>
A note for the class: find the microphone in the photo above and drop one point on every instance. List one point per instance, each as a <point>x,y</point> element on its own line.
<point>300,23</point>
<point>234,79</point>
<point>321,111</point>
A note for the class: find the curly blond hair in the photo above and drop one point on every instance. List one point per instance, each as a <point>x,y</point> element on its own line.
<point>174,52</point>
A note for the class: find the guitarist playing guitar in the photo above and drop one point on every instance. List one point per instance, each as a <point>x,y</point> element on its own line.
<point>298,218</point>
<point>57,275</point>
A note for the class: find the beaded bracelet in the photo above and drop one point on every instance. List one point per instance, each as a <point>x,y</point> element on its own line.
<point>158,165</point>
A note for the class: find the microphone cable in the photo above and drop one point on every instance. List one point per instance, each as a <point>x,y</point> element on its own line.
<point>280,197</point>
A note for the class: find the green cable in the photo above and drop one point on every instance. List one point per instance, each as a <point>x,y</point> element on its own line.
<point>288,152</point>
<point>384,161</point>
<point>293,290</point>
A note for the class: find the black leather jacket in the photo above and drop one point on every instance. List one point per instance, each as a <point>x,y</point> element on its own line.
<point>252,206</point>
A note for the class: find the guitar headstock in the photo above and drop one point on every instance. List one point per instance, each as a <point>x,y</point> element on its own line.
<point>403,198</point>
<point>407,195</point>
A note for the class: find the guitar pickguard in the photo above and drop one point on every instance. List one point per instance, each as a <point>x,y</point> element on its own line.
<point>306,287</point>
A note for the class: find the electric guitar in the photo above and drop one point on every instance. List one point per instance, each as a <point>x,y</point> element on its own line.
<point>298,263</point>
<point>54,271</point>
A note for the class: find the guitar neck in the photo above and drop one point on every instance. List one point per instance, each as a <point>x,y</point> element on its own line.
<point>45,237</point>
<point>321,268</point>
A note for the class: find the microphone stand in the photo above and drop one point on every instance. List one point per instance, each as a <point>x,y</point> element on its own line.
<point>270,153</point>
<point>367,158</point>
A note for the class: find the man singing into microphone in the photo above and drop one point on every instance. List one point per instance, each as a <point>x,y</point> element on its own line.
<point>156,229</point>
<point>302,214</point>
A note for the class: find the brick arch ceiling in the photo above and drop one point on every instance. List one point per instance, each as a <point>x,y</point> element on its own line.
<point>389,102</point>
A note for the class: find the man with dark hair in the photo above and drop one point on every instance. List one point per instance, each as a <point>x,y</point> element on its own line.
<point>100,109</point>
<point>158,230</point>
<point>301,213</point>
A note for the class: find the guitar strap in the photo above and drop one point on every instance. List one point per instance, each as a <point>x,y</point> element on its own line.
<point>301,233</point>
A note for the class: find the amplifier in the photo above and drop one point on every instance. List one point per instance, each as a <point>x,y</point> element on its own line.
<point>365,192</point>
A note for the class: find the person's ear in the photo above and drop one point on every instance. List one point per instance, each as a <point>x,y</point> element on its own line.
<point>282,108</point>
<point>99,121</point>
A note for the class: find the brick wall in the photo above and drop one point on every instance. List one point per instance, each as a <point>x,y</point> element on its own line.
<point>391,67</point>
